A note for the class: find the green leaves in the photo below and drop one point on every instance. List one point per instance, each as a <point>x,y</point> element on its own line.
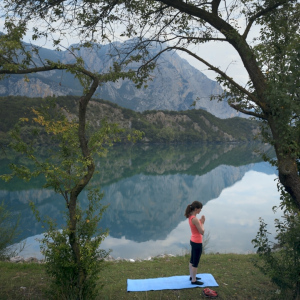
<point>278,54</point>
<point>8,232</point>
<point>280,259</point>
<point>62,265</point>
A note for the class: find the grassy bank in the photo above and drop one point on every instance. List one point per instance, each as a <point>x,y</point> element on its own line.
<point>235,274</point>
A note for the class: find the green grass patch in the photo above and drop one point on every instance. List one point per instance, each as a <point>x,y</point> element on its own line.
<point>22,281</point>
<point>236,275</point>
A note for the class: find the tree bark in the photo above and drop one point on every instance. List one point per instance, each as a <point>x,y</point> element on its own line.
<point>287,165</point>
<point>83,103</point>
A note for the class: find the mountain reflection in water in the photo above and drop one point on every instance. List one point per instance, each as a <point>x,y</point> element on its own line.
<point>148,188</point>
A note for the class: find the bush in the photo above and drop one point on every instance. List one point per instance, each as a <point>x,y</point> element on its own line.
<point>61,264</point>
<point>8,233</point>
<point>280,260</point>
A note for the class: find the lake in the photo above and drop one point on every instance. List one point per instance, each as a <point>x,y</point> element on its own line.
<point>149,187</point>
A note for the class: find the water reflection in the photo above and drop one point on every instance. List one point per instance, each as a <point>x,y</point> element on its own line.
<point>148,189</point>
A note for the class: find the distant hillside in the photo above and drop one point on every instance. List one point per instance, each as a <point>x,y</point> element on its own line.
<point>175,84</point>
<point>159,126</point>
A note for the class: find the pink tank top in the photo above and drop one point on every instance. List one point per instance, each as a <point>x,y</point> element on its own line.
<point>196,236</point>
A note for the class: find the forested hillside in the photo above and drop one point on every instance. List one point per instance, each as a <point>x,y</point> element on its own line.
<point>159,126</point>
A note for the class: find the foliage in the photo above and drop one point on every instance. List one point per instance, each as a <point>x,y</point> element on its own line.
<point>61,264</point>
<point>8,232</point>
<point>13,53</point>
<point>280,260</point>
<point>63,168</point>
<point>239,128</point>
<point>70,254</point>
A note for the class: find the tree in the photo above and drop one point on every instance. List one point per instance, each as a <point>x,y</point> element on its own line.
<point>272,93</point>
<point>71,255</point>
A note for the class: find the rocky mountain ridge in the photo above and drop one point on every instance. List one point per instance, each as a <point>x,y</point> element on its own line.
<point>175,84</point>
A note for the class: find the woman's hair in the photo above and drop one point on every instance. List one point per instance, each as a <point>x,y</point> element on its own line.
<point>191,207</point>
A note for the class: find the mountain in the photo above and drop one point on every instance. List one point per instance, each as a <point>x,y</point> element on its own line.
<point>175,84</point>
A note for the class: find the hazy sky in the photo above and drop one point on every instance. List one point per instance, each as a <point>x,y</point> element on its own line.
<point>221,55</point>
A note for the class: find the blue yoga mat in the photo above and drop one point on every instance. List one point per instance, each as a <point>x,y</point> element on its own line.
<point>168,283</point>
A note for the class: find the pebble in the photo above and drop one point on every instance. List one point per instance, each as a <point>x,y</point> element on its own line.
<point>20,259</point>
<point>17,259</point>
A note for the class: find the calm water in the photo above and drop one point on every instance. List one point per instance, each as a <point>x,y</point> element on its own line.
<point>148,189</point>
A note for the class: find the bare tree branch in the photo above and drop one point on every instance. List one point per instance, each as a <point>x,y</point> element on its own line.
<point>217,70</point>
<point>36,70</point>
<point>215,5</point>
<point>201,39</point>
<point>247,112</point>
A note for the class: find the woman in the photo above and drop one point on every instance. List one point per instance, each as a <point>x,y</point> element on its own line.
<point>197,229</point>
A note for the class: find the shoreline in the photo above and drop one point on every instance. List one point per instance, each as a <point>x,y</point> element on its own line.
<point>31,259</point>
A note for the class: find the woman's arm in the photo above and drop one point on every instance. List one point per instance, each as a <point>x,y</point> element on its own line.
<point>199,225</point>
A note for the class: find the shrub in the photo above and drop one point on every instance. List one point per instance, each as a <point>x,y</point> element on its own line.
<point>280,260</point>
<point>8,232</point>
<point>61,264</point>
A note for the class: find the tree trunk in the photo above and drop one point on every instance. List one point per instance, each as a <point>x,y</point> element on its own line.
<point>288,176</point>
<point>73,239</point>
<point>286,162</point>
<point>297,292</point>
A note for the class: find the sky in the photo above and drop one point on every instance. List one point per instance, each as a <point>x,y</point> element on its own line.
<point>221,55</point>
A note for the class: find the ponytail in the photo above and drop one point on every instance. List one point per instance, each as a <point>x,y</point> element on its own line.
<point>191,207</point>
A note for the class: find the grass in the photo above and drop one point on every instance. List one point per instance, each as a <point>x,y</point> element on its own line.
<point>235,274</point>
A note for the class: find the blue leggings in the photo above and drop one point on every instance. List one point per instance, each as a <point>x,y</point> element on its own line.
<point>196,251</point>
